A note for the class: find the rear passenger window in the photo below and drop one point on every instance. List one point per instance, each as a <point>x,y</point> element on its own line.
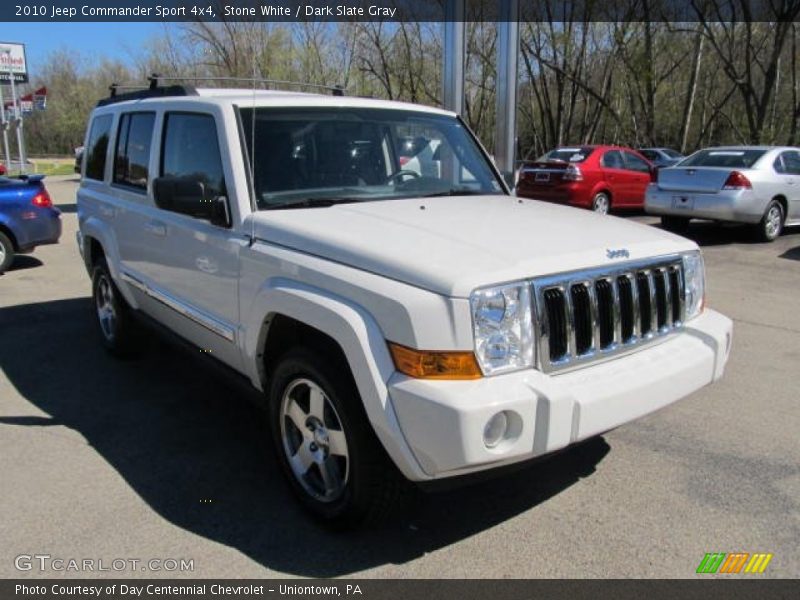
<point>791,163</point>
<point>97,146</point>
<point>191,151</point>
<point>133,149</point>
<point>612,160</point>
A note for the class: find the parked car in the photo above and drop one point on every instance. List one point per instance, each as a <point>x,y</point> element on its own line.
<point>595,177</point>
<point>756,185</point>
<point>2,169</point>
<point>27,217</point>
<point>662,157</point>
<point>400,327</point>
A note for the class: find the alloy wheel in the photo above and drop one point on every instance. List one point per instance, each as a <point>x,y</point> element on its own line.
<point>314,441</point>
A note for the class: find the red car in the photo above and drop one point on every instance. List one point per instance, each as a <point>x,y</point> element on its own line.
<point>595,177</point>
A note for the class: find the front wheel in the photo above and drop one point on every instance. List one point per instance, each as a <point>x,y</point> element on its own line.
<point>601,203</point>
<point>771,224</point>
<point>331,457</point>
<point>6,252</point>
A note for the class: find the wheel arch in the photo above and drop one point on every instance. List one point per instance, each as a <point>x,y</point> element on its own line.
<point>285,312</point>
<point>10,235</point>
<point>784,204</point>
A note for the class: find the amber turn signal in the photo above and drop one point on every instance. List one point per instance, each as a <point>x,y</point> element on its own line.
<point>434,365</point>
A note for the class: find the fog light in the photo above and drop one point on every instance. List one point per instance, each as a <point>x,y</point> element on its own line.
<point>495,430</point>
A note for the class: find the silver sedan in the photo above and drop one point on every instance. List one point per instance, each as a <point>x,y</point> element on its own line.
<point>758,185</point>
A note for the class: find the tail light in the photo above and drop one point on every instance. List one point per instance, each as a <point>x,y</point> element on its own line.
<point>737,181</point>
<point>42,200</point>
<point>572,173</point>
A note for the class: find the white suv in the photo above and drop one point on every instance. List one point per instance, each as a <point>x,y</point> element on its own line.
<point>401,325</point>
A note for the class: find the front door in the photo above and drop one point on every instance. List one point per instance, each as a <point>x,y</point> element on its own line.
<point>195,278</point>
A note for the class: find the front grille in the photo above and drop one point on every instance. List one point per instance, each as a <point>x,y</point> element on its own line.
<point>589,315</point>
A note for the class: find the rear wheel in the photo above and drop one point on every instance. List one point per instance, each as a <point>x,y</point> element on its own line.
<point>675,224</point>
<point>6,252</point>
<point>771,224</point>
<point>327,449</point>
<point>601,203</point>
<point>117,327</point>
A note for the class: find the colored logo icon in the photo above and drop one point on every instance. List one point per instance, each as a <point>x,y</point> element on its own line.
<point>734,562</point>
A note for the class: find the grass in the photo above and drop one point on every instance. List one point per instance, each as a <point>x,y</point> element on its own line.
<point>53,166</point>
<point>50,166</point>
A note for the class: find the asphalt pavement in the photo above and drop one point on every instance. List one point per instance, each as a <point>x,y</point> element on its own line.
<point>159,459</point>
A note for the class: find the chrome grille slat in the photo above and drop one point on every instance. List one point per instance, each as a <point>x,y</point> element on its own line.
<point>587,316</point>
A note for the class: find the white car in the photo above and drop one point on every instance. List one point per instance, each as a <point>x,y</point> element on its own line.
<point>756,185</point>
<point>401,327</point>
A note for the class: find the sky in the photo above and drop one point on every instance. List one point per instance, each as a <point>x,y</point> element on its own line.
<point>111,40</point>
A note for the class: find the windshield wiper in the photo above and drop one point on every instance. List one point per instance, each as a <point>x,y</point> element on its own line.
<point>456,192</point>
<point>312,203</point>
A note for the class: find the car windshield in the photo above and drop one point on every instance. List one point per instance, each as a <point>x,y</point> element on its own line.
<point>305,157</point>
<point>573,155</point>
<point>739,159</point>
<point>671,153</point>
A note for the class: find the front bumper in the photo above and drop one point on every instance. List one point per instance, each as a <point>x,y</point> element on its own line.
<point>740,206</point>
<point>443,421</point>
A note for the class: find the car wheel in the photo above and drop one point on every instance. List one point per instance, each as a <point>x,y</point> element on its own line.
<point>601,203</point>
<point>6,252</point>
<point>118,330</point>
<point>675,224</point>
<point>771,224</point>
<point>331,457</point>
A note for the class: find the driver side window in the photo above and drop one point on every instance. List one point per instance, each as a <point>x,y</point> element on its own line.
<point>191,151</point>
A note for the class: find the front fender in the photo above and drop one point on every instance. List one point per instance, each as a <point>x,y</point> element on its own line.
<point>361,340</point>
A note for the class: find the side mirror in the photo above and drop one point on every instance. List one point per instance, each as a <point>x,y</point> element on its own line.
<point>190,197</point>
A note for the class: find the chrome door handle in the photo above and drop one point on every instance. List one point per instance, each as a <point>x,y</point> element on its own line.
<point>156,228</point>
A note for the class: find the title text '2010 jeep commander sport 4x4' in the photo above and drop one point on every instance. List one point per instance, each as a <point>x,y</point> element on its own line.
<point>402,323</point>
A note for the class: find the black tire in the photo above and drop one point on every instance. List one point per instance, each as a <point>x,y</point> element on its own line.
<point>120,334</point>
<point>367,484</point>
<point>675,224</point>
<point>771,224</point>
<point>6,252</point>
<point>601,203</point>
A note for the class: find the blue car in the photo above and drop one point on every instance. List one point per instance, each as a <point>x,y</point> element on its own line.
<point>27,217</point>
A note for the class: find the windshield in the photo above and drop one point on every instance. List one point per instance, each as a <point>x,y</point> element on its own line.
<point>740,159</point>
<point>671,153</point>
<point>321,156</point>
<point>573,155</point>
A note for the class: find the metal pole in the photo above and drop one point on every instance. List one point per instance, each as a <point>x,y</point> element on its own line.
<point>453,59</point>
<point>4,125</point>
<point>18,116</point>
<point>506,108</point>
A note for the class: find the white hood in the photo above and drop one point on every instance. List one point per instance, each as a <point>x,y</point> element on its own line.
<point>452,245</point>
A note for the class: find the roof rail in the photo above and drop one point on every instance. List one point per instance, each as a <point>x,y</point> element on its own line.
<point>336,90</point>
<point>141,92</point>
<point>153,90</point>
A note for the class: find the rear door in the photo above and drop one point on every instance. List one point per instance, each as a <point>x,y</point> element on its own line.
<point>616,177</point>
<point>787,169</point>
<point>639,177</point>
